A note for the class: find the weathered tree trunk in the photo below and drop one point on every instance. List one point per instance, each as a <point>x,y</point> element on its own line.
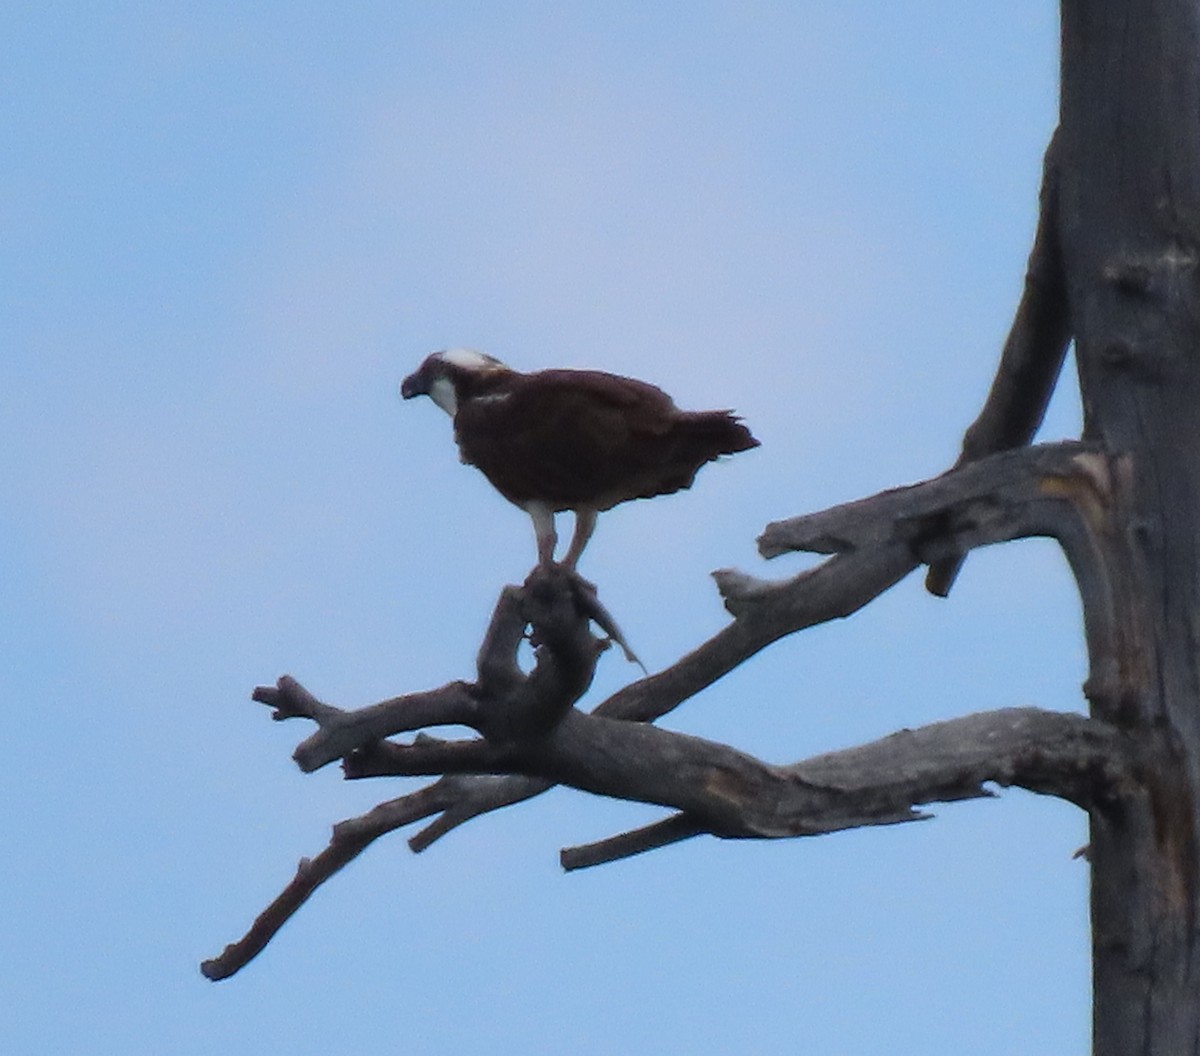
<point>1127,179</point>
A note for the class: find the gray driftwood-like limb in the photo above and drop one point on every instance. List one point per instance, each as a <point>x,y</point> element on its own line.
<point>764,613</point>
<point>877,542</point>
<point>340,732</point>
<point>662,833</point>
<point>730,794</point>
<point>1011,495</point>
<point>1062,754</point>
<point>1045,490</point>
<point>533,737</point>
<point>1054,753</point>
<point>350,838</point>
<point>1031,360</point>
<point>1066,491</point>
<point>480,794</point>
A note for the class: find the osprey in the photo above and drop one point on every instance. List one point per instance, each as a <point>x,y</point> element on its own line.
<point>578,440</point>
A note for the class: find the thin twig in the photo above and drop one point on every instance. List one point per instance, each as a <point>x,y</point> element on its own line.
<point>638,841</point>
<point>350,838</point>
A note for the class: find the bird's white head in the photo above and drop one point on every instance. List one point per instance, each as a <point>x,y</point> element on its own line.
<point>443,376</point>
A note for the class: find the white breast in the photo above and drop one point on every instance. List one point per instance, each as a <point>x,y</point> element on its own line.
<point>442,393</point>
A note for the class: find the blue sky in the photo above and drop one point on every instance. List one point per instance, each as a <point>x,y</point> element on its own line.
<point>226,234</point>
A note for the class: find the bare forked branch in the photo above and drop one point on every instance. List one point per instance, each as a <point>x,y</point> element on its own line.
<point>725,792</point>
<point>532,736</point>
<point>1008,496</point>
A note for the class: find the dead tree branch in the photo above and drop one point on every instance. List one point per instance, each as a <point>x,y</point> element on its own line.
<point>1033,354</point>
<point>532,736</point>
<point>1031,359</point>
<point>724,792</point>
<point>730,794</point>
<point>1054,753</point>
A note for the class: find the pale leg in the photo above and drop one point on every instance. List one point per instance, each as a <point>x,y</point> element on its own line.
<point>585,524</point>
<point>543,529</point>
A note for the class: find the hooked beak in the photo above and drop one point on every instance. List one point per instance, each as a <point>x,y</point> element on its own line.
<point>413,385</point>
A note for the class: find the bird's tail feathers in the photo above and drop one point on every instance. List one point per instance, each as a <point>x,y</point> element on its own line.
<point>722,431</point>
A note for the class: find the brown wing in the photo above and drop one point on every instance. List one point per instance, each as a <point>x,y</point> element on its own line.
<point>589,439</point>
